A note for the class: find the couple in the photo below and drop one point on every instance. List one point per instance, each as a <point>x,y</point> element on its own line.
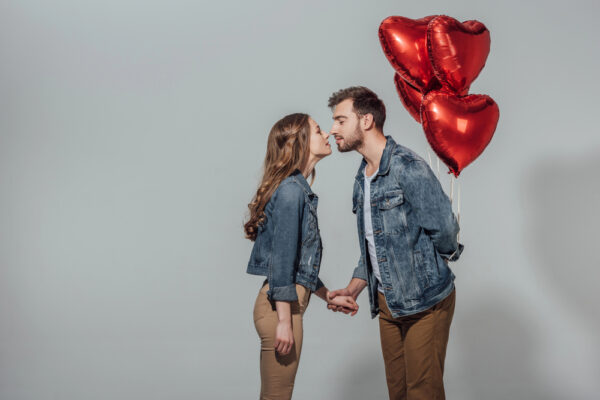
<point>407,234</point>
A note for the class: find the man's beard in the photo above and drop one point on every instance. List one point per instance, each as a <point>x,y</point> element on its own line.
<point>352,142</point>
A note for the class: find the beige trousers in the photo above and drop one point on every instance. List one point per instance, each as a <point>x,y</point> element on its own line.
<point>277,372</point>
<point>414,350</point>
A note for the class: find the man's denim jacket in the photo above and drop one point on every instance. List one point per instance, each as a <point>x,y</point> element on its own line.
<point>288,247</point>
<point>414,229</point>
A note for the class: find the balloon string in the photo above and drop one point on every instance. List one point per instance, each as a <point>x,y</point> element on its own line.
<point>438,169</point>
<point>458,211</point>
<point>429,156</point>
<point>451,189</point>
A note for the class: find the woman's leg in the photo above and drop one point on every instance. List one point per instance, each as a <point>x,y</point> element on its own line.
<point>278,372</point>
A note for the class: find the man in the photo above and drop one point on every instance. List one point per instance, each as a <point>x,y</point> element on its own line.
<point>407,234</point>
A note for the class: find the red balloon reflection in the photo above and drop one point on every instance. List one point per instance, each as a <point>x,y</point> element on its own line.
<point>458,128</point>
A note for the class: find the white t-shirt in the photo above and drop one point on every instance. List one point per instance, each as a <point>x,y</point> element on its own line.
<point>369,230</point>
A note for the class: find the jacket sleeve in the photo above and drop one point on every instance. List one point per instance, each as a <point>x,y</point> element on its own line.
<point>432,207</point>
<point>320,284</point>
<point>288,207</point>
<point>360,271</point>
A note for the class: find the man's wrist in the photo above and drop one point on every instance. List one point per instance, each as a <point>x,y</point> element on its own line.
<point>356,286</point>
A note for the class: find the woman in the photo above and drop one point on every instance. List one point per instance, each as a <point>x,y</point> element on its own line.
<point>287,249</point>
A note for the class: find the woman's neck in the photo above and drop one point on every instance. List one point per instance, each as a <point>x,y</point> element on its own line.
<point>310,166</point>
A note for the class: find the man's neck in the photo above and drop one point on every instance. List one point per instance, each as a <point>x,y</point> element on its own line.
<point>372,150</point>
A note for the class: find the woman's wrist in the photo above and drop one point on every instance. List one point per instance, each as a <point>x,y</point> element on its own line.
<point>323,293</point>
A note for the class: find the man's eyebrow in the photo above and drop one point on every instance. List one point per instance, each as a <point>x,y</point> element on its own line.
<point>339,117</point>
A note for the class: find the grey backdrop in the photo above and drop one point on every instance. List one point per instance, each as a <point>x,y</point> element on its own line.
<point>132,136</point>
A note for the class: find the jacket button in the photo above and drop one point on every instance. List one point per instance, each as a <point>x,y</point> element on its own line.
<point>315,266</point>
<point>378,231</point>
<point>381,260</point>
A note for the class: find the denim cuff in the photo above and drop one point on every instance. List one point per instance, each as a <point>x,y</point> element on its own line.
<point>283,293</point>
<point>319,284</point>
<point>454,256</point>
<point>360,273</point>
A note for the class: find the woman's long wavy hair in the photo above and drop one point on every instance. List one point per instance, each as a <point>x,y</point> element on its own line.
<point>287,150</point>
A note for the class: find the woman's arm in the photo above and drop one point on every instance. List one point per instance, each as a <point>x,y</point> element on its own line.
<point>288,206</point>
<point>284,335</point>
<point>288,203</point>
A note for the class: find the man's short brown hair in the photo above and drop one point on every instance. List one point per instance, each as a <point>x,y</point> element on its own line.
<point>365,101</point>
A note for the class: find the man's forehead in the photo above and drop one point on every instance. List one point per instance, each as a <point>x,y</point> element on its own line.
<point>344,109</point>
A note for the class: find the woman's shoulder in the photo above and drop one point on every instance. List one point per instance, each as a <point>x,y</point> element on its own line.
<point>289,190</point>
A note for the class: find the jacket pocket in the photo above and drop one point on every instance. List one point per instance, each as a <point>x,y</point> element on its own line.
<point>421,270</point>
<point>392,212</point>
<point>391,199</point>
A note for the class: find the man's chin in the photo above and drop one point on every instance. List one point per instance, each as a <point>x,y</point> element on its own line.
<point>343,149</point>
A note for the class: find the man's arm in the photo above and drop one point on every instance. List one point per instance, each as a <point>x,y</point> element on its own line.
<point>347,303</point>
<point>432,208</point>
<point>354,288</point>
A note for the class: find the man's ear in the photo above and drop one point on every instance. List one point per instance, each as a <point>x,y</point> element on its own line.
<point>367,121</point>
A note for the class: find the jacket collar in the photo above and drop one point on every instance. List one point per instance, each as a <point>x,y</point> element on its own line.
<point>298,177</point>
<point>384,163</point>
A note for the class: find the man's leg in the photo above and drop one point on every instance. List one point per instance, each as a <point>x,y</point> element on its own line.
<point>425,350</point>
<point>392,346</point>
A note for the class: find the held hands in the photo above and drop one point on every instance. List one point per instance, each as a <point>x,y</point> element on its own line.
<point>342,300</point>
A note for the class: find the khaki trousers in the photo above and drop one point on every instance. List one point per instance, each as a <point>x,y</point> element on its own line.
<point>414,350</point>
<point>277,372</point>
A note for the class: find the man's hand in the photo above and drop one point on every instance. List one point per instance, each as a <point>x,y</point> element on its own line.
<point>335,305</point>
<point>353,289</point>
<point>343,303</point>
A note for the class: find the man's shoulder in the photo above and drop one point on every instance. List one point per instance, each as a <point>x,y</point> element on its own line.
<point>402,155</point>
<point>407,164</point>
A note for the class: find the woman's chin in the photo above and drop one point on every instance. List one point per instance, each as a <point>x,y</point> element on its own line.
<point>323,155</point>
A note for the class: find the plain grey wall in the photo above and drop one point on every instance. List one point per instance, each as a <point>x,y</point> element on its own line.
<point>131,139</point>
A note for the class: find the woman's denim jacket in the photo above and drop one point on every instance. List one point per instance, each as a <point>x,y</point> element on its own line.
<point>414,229</point>
<point>288,247</point>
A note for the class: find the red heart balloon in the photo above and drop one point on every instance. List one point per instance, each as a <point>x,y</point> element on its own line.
<point>410,97</point>
<point>458,128</point>
<point>457,51</point>
<point>404,43</point>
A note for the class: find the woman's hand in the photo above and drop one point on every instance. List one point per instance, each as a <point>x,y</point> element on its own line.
<point>284,337</point>
<point>347,303</point>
